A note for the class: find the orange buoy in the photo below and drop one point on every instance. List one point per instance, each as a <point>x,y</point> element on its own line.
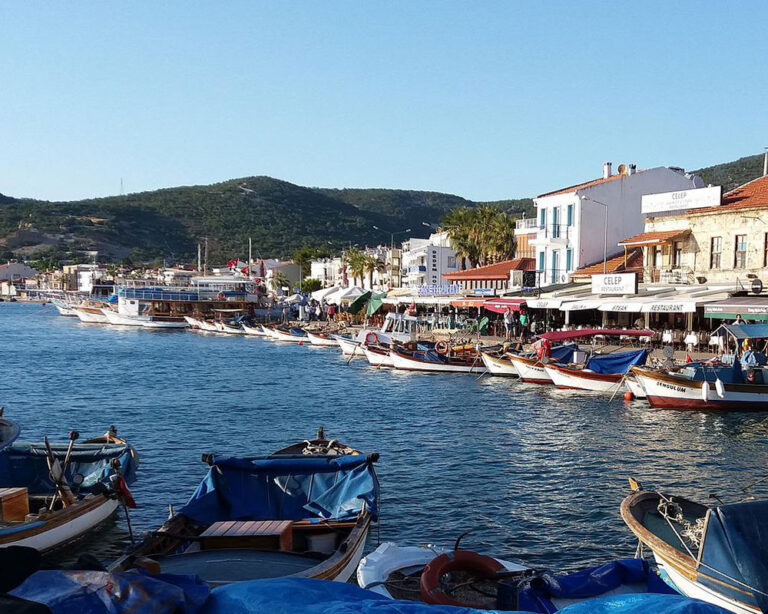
<point>628,396</point>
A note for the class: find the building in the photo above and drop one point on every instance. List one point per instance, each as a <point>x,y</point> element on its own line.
<point>328,270</point>
<point>702,236</point>
<point>425,262</point>
<point>493,279</point>
<point>582,224</point>
<point>15,271</point>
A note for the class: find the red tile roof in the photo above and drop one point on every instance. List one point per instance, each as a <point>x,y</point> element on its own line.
<point>586,184</point>
<point>614,265</point>
<point>653,238</point>
<point>747,196</point>
<point>499,270</point>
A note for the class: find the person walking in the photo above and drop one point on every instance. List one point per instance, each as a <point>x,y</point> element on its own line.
<point>509,320</point>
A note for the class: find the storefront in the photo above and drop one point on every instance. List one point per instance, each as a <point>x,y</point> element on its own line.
<point>750,308</point>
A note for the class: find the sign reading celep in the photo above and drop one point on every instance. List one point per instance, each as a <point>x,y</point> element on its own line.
<point>682,199</point>
<point>616,283</point>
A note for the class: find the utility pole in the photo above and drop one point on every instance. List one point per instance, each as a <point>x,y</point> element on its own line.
<point>250,259</point>
<point>205,261</point>
<point>199,258</point>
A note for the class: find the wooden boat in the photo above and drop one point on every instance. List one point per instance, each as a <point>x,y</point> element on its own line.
<point>715,554</point>
<point>703,387</point>
<point>378,355</point>
<point>120,319</point>
<point>91,312</point>
<point>64,308</point>
<point>322,339</point>
<point>285,334</point>
<point>396,572</point>
<point>349,346</point>
<point>530,369</point>
<point>602,373</point>
<point>244,523</point>
<point>45,501</point>
<point>434,361</point>
<point>634,386</point>
<point>254,331</point>
<point>320,445</point>
<point>500,365</point>
<point>229,329</point>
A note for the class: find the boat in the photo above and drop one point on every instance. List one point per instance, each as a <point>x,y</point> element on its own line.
<point>530,366</point>
<point>322,339</point>
<point>320,445</point>
<point>223,327</point>
<point>440,359</point>
<point>349,346</point>
<point>64,308</point>
<point>634,386</point>
<point>378,355</point>
<point>396,572</point>
<point>121,319</point>
<point>300,515</point>
<point>54,494</point>
<point>91,312</point>
<point>601,373</point>
<point>713,553</point>
<point>287,335</point>
<point>500,365</point>
<point>704,387</point>
<point>255,331</point>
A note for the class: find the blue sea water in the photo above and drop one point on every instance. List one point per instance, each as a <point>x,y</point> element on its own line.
<point>537,473</point>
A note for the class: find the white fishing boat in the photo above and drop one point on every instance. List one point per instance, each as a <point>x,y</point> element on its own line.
<point>430,361</point>
<point>255,331</point>
<point>378,356</point>
<point>223,327</point>
<point>91,313</point>
<point>634,386</point>
<point>286,336</point>
<point>120,319</point>
<point>322,339</point>
<point>499,365</point>
<point>530,369</point>
<point>350,346</point>
<point>601,373</point>
<point>64,308</point>
<point>165,322</point>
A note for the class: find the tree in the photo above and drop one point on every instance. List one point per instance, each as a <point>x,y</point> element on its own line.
<point>355,261</point>
<point>483,235</point>
<point>304,256</point>
<point>279,281</point>
<point>372,264</point>
<point>310,285</point>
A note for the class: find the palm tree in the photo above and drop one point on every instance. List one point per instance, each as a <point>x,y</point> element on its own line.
<point>279,281</point>
<point>355,261</point>
<point>372,264</point>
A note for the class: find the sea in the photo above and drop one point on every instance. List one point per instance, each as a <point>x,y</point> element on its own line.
<point>535,473</point>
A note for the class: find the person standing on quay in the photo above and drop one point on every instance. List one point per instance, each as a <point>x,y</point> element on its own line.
<point>509,319</point>
<point>523,324</point>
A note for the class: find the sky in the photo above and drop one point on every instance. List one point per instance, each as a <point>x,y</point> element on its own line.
<point>486,100</point>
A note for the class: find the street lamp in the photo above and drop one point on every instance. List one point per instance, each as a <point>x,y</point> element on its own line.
<point>391,247</point>
<point>605,229</point>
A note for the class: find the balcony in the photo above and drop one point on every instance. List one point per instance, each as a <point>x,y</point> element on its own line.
<point>417,269</point>
<point>552,233</point>
<point>672,276</point>
<point>525,225</point>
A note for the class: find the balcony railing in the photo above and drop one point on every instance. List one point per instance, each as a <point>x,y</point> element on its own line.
<point>555,231</point>
<point>528,223</point>
<point>673,275</point>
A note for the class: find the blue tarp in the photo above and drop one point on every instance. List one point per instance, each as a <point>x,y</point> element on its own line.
<point>285,488</point>
<point>616,363</point>
<point>735,544</point>
<point>9,432</point>
<point>563,353</point>
<point>305,596</point>
<point>99,592</point>
<point>634,575</point>
<point>25,464</point>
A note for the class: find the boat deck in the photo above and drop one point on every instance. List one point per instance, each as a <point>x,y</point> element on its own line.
<point>234,565</point>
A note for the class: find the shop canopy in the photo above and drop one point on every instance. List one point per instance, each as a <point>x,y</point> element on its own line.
<point>581,305</point>
<point>562,335</point>
<point>500,305</point>
<point>748,307</point>
<point>375,303</point>
<point>659,237</point>
<point>468,302</point>
<point>544,303</point>
<point>743,331</point>
<point>358,303</point>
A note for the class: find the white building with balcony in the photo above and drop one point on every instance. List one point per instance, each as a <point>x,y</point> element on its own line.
<point>425,261</point>
<point>582,224</point>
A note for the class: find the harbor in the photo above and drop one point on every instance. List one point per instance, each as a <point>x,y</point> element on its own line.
<point>542,471</point>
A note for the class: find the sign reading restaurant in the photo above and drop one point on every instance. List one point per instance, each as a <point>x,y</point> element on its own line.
<point>439,289</point>
<point>614,283</point>
<point>682,199</point>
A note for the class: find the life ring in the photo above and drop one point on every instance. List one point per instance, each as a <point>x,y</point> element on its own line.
<point>221,296</point>
<point>465,560</point>
<point>371,338</point>
<point>441,347</point>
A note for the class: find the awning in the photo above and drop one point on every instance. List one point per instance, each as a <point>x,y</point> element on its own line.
<point>468,302</point>
<point>544,303</point>
<point>500,305</point>
<point>748,307</point>
<point>580,305</point>
<point>647,239</point>
<point>743,331</point>
<point>629,306</point>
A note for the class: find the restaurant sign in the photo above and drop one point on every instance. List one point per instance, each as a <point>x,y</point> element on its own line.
<point>483,292</point>
<point>614,283</point>
<point>439,289</point>
<point>682,199</point>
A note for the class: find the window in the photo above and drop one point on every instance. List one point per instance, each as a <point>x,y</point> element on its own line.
<point>555,222</point>
<point>677,254</point>
<point>657,257</point>
<point>569,215</point>
<point>569,257</point>
<point>543,219</point>
<point>740,253</point>
<point>715,250</point>
<point>555,265</point>
<point>451,262</point>
<point>541,261</point>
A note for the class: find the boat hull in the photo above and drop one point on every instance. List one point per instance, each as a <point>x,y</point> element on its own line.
<point>119,319</point>
<point>70,524</point>
<point>530,370</point>
<point>408,363</point>
<point>635,387</point>
<point>578,379</point>
<point>91,316</point>
<point>666,391</point>
<point>229,330</point>
<point>254,331</point>
<point>315,339</point>
<point>350,347</point>
<point>378,358</point>
<point>287,337</point>
<point>499,366</point>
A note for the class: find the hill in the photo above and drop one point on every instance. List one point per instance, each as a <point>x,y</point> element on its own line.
<point>279,216</point>
<point>733,174</point>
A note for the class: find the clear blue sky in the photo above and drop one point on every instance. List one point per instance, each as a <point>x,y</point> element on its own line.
<point>487,100</point>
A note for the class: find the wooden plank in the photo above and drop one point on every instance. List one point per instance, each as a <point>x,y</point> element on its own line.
<point>235,528</point>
